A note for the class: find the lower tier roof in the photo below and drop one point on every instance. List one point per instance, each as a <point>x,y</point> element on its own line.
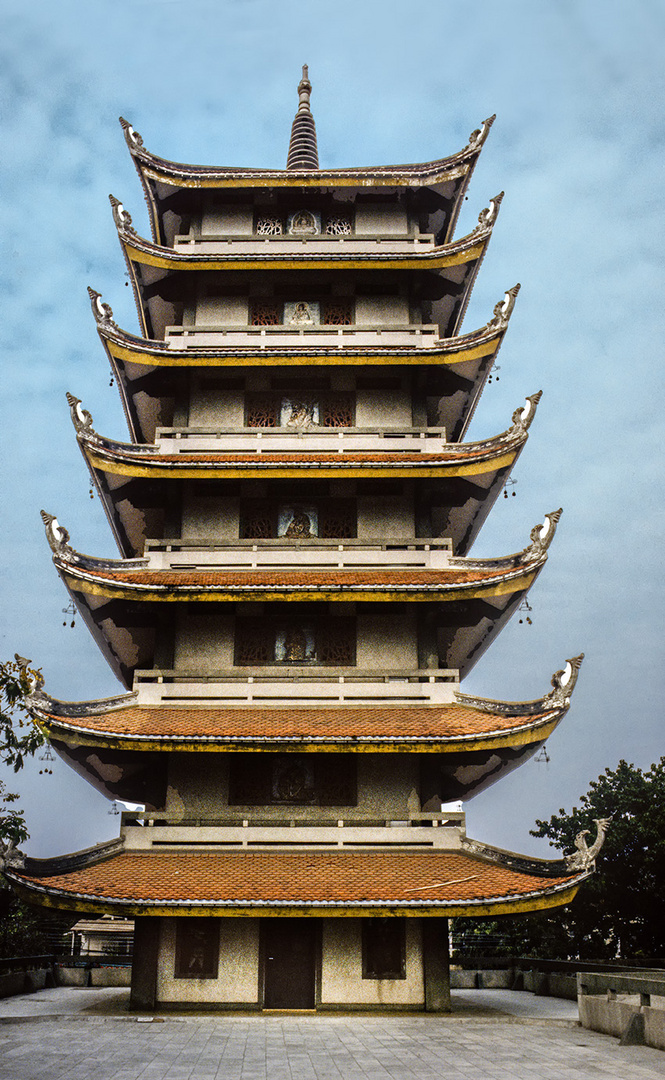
<point>269,882</point>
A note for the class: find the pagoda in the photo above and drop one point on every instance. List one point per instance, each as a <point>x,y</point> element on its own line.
<point>295,605</point>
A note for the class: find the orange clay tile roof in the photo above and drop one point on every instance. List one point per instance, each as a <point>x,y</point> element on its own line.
<point>385,722</point>
<point>412,457</point>
<point>270,877</point>
<point>294,578</point>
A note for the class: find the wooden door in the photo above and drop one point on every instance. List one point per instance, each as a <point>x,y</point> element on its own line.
<point>290,963</point>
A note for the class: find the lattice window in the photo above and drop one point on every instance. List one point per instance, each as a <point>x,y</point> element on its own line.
<point>384,948</point>
<point>257,524</point>
<point>283,779</point>
<point>196,948</point>
<point>338,312</point>
<point>265,313</point>
<point>339,225</point>
<point>337,410</point>
<point>292,643</point>
<point>269,226</point>
<point>337,521</point>
<point>262,411</point>
<point>335,644</point>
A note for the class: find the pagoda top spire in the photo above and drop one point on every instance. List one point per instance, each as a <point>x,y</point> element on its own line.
<point>303,153</point>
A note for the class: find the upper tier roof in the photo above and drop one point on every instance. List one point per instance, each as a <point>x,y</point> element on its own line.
<point>445,272</point>
<point>168,184</point>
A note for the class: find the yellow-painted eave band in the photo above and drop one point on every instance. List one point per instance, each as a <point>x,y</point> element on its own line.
<point>176,594</point>
<point>423,261</point>
<point>336,357</point>
<point>301,180</point>
<point>258,471</point>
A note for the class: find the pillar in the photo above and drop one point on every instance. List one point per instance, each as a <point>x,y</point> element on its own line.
<point>436,964</point>
<point>144,963</point>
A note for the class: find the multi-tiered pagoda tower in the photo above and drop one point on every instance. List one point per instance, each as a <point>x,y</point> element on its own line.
<point>295,606</point>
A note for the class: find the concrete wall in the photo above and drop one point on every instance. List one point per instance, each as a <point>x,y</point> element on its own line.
<point>383,408</point>
<point>373,219</point>
<point>381,516</point>
<point>342,983</point>
<point>227,220</point>
<point>213,404</point>
<point>237,976</point>
<point>221,311</point>
<point>382,310</point>
<point>198,786</point>
<point>203,641</point>
<point>209,517</point>
<point>384,642</point>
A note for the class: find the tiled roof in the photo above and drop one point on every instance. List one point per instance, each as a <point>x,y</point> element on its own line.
<point>447,457</point>
<point>436,579</point>
<point>321,724</point>
<point>266,878</point>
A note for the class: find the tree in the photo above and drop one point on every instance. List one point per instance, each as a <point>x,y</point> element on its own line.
<point>19,739</point>
<point>618,911</point>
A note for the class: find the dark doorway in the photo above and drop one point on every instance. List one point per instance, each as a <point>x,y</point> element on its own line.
<point>290,963</point>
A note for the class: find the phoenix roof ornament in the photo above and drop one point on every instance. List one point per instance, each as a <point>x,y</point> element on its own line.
<point>122,218</point>
<point>541,536</point>
<point>56,534</point>
<point>563,682</point>
<point>477,137</point>
<point>522,418</point>
<point>585,856</point>
<point>488,216</point>
<point>81,418</point>
<point>132,137</point>
<point>504,309</point>
<point>103,312</point>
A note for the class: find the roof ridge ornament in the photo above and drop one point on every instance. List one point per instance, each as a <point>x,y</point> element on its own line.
<point>563,682</point>
<point>122,217</point>
<point>585,856</point>
<point>81,418</point>
<point>103,312</point>
<point>132,137</point>
<point>303,152</point>
<point>523,418</point>
<point>488,216</point>
<point>477,137</point>
<point>56,534</point>
<point>504,309</point>
<point>541,536</point>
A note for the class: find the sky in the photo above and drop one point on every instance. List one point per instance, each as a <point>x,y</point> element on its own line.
<point>577,87</point>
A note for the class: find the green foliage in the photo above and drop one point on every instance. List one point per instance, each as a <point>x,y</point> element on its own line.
<point>19,738</point>
<point>23,932</point>
<point>618,911</point>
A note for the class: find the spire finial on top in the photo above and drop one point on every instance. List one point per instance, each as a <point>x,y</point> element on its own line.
<point>303,153</point>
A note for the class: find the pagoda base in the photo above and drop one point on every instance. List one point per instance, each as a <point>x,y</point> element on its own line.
<point>291,964</point>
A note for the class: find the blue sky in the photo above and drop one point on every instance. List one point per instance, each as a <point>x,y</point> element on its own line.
<point>577,86</point>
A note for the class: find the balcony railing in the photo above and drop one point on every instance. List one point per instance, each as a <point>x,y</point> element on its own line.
<point>288,244</point>
<point>411,335</point>
<point>297,685</point>
<point>301,829</point>
<point>296,554</point>
<point>276,440</point>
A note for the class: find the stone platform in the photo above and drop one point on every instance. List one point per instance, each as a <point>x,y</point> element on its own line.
<point>87,1034</point>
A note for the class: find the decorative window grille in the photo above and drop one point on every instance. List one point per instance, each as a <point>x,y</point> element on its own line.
<point>304,223</point>
<point>339,225</point>
<point>338,312</point>
<point>265,313</point>
<point>292,643</point>
<point>331,519</point>
<point>293,779</point>
<point>262,411</point>
<point>269,226</point>
<point>384,948</point>
<point>337,410</point>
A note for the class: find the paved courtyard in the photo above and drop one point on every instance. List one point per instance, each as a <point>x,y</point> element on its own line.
<point>493,1035</point>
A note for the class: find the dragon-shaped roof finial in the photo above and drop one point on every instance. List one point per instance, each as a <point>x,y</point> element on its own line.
<point>132,137</point>
<point>541,536</point>
<point>477,137</point>
<point>563,681</point>
<point>103,312</point>
<point>523,417</point>
<point>123,219</point>
<point>488,216</point>
<point>504,309</point>
<point>56,534</point>
<point>81,418</point>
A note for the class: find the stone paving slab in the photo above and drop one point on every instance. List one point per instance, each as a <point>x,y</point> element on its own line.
<point>493,1035</point>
